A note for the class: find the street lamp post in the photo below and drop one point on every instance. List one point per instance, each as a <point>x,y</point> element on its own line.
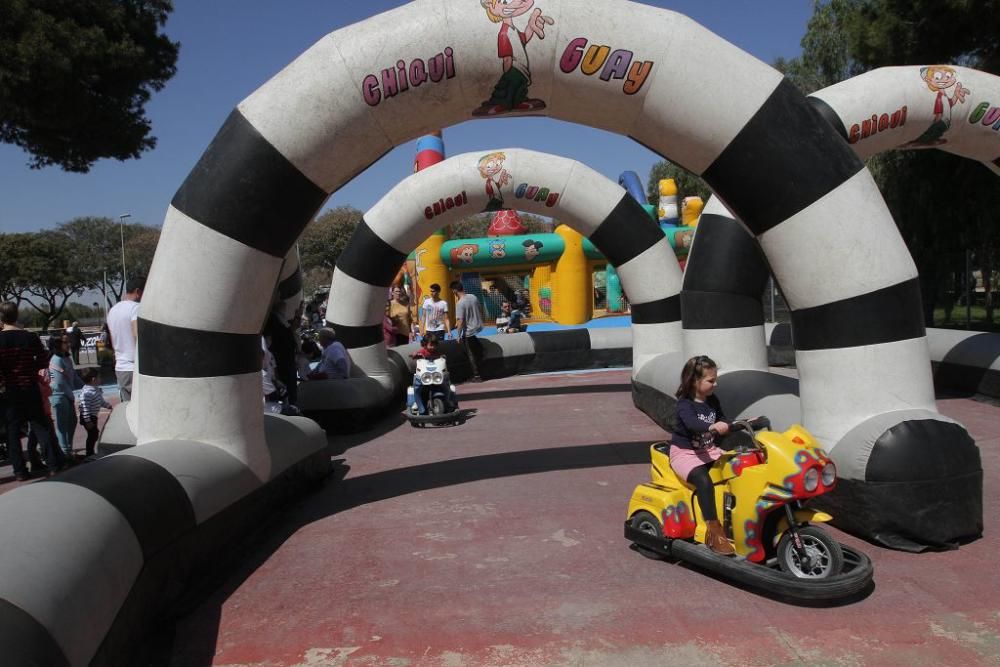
<point>121,227</point>
<point>93,354</point>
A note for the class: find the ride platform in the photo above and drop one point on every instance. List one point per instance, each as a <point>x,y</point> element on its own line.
<point>499,542</point>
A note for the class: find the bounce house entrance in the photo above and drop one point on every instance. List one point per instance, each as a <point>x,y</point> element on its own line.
<point>513,287</point>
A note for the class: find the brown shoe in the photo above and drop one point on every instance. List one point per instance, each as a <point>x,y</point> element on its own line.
<point>715,538</point>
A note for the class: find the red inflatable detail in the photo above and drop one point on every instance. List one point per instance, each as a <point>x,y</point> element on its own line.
<point>506,222</point>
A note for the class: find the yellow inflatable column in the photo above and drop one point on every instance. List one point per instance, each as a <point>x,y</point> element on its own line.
<point>541,276</point>
<point>572,294</point>
<point>432,269</point>
<point>691,210</point>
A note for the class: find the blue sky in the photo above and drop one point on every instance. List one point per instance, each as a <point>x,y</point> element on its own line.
<point>230,47</point>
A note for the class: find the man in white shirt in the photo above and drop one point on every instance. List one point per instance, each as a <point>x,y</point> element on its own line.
<point>122,324</point>
<point>434,314</point>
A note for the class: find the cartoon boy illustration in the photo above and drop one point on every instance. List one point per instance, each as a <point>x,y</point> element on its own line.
<point>464,254</point>
<point>939,78</point>
<point>531,249</point>
<point>491,168</point>
<point>511,91</point>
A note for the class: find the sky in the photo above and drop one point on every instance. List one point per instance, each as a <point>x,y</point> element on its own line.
<point>229,48</point>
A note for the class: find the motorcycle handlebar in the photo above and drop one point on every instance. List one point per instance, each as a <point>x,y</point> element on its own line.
<point>752,425</point>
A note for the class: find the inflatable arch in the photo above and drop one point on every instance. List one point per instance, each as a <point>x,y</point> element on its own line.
<point>588,202</point>
<point>204,446</point>
<point>433,64</point>
<point>888,108</point>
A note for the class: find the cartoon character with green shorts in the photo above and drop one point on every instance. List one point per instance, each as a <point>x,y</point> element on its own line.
<point>511,91</point>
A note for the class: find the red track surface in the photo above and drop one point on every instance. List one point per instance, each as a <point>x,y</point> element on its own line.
<point>499,542</point>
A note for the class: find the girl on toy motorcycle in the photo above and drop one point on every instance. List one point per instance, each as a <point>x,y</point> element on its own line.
<point>692,446</point>
<point>428,350</point>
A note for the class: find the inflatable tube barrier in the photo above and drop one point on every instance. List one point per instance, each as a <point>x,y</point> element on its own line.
<point>146,525</point>
<point>852,311</point>
<point>963,362</point>
<point>339,107</point>
<point>597,208</point>
<point>835,335</point>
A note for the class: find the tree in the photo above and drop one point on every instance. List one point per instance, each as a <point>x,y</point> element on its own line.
<point>98,244</point>
<point>140,246</point>
<point>688,185</point>
<point>44,268</point>
<point>11,286</point>
<point>75,77</point>
<point>322,241</point>
<point>941,203</point>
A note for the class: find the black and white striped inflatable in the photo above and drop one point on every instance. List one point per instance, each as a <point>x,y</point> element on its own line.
<point>941,475</point>
<point>586,201</point>
<point>86,587</point>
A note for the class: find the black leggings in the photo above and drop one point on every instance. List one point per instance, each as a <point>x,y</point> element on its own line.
<point>705,491</point>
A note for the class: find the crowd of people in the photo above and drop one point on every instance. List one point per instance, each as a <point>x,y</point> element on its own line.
<point>39,386</point>
<point>36,389</point>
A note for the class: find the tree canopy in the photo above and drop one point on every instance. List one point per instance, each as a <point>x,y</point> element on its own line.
<point>45,269</point>
<point>942,203</point>
<point>75,76</point>
<point>321,243</point>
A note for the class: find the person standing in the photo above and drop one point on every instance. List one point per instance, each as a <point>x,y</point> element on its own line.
<point>21,357</point>
<point>104,338</point>
<point>434,314</point>
<point>64,382</point>
<point>401,316</point>
<point>281,330</point>
<point>468,324</point>
<point>91,401</point>
<point>75,340</point>
<point>123,323</point>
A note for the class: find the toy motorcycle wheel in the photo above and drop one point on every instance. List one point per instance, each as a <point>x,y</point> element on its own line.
<point>649,524</point>
<point>825,557</point>
<point>437,406</point>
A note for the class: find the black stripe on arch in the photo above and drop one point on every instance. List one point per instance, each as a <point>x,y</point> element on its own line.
<point>827,112</point>
<point>176,352</point>
<point>657,312</point>
<point>720,310</point>
<point>244,188</point>
<point>354,337</point>
<point>726,259</point>
<point>291,285</point>
<point>149,496</point>
<point>626,232</point>
<point>782,161</point>
<point>369,259</point>
<point>887,315</point>
<point>26,641</point>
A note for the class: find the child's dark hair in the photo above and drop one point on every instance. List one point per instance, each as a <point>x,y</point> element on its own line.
<point>694,370</point>
<point>88,374</point>
<point>428,338</point>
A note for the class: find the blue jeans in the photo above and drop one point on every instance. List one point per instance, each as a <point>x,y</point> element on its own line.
<point>417,396</point>
<point>64,412</point>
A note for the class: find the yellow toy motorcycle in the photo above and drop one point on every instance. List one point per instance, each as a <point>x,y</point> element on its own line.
<point>760,485</point>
